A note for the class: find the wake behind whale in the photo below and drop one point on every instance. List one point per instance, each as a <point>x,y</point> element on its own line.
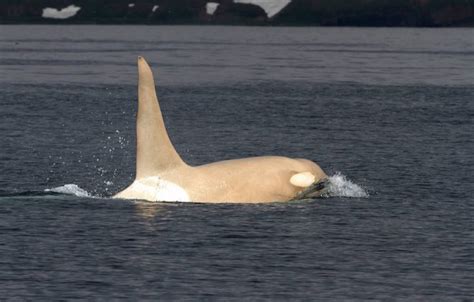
<point>70,189</point>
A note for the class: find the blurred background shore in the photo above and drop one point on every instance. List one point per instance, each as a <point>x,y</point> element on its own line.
<point>423,13</point>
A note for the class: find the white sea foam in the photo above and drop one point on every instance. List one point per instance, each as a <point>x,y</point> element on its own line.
<point>271,7</point>
<point>340,186</point>
<point>70,189</point>
<point>64,13</point>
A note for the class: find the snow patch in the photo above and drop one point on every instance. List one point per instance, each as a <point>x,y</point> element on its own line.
<point>155,8</point>
<point>64,13</point>
<point>271,7</point>
<point>211,7</point>
<point>131,5</point>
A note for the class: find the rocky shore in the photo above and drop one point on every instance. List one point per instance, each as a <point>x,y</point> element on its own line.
<point>431,13</point>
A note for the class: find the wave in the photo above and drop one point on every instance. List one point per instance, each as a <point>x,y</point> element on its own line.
<point>27,194</point>
<point>70,189</point>
<point>340,186</point>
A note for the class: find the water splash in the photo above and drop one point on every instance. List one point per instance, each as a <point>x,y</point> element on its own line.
<point>70,189</point>
<point>340,186</point>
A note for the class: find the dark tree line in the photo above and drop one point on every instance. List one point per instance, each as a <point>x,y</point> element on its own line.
<point>297,12</point>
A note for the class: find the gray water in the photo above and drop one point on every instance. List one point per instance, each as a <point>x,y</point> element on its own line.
<point>387,112</point>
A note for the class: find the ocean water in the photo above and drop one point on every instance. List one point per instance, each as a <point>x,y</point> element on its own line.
<point>387,112</point>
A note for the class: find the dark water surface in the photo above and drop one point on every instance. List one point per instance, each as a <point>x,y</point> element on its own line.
<point>388,112</point>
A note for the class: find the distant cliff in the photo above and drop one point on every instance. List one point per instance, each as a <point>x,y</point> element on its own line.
<point>246,12</point>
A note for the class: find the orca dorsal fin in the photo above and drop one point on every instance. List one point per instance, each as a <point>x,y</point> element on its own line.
<point>155,152</point>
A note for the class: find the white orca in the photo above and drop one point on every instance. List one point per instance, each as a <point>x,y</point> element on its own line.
<point>161,174</point>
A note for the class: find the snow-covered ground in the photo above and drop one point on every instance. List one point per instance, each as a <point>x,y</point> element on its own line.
<point>64,13</point>
<point>211,7</point>
<point>271,7</point>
